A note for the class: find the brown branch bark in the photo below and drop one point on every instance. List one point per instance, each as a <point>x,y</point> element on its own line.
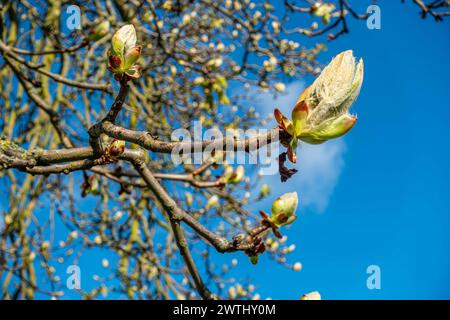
<point>145,140</point>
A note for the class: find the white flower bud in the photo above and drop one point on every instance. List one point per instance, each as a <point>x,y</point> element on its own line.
<point>279,86</point>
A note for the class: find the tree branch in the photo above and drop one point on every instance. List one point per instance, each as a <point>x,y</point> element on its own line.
<point>145,140</point>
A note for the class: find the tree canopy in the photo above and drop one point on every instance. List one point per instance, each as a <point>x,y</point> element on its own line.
<point>88,113</point>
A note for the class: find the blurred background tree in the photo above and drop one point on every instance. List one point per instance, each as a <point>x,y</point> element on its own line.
<point>68,188</point>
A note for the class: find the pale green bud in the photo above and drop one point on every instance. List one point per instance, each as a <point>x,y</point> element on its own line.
<point>45,245</point>
<point>322,111</point>
<point>134,232</point>
<point>329,129</point>
<point>237,175</point>
<point>131,56</point>
<point>323,10</point>
<point>283,209</point>
<point>93,186</point>
<point>268,7</point>
<point>116,148</point>
<point>115,62</point>
<point>167,5</point>
<point>232,292</point>
<point>98,240</point>
<point>73,235</point>
<point>213,202</point>
<point>233,176</point>
<point>124,39</point>
<point>254,259</point>
<point>134,72</point>
<point>279,86</point>
<point>199,80</point>
<point>276,26</point>
<point>8,219</point>
<point>222,81</point>
<point>223,98</point>
<point>105,263</point>
<point>284,122</point>
<point>124,53</point>
<point>215,63</point>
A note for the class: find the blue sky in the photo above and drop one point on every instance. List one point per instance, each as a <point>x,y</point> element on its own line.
<point>380,195</point>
